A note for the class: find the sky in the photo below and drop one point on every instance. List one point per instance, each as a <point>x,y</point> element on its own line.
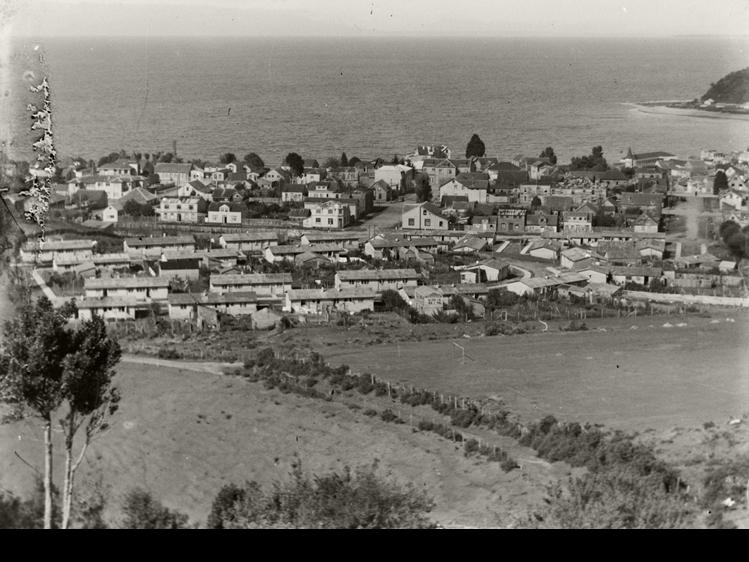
<point>376,18</point>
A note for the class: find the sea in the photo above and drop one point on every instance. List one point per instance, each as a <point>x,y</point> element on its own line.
<point>374,96</point>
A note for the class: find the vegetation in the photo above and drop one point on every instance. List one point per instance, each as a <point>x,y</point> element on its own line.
<point>732,88</point>
<point>45,368</point>
<point>142,511</point>
<point>595,161</point>
<point>296,163</point>
<point>254,161</point>
<point>358,499</point>
<point>475,147</point>
<point>735,239</point>
<point>228,158</point>
<point>548,152</point>
<point>422,187</point>
<point>720,182</point>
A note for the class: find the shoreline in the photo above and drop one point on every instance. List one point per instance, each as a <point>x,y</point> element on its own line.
<point>660,108</point>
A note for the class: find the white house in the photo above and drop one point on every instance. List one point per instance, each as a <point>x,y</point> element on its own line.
<point>141,288</point>
<point>226,213</point>
<point>319,301</point>
<point>264,284</point>
<point>424,216</point>
<point>379,280</point>
<point>329,214</point>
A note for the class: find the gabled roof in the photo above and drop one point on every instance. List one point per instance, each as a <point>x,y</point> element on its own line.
<point>233,207</point>
<point>377,275</point>
<point>234,297</point>
<point>172,168</point>
<point>146,242</point>
<point>126,282</point>
<point>251,279</point>
<point>250,237</point>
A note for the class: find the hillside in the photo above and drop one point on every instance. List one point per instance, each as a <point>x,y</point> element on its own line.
<point>732,88</point>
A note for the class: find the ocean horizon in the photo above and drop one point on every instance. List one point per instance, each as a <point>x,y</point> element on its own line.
<point>376,97</point>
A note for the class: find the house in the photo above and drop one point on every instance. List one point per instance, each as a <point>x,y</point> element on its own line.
<point>176,209</point>
<point>174,173</point>
<point>543,249</point>
<point>248,241</point>
<point>645,159</point>
<point>140,195</point>
<point>378,280</point>
<point>511,220</point>
<point>487,271</point>
<point>329,214</point>
<point>570,257</point>
<point>226,213</point>
<point>573,221</point>
<point>538,222</point>
<point>219,259</point>
<point>642,275</point>
<point>469,245</point>
<point>320,301</point>
<point>264,284</point>
<point>141,288</point>
<point>593,272</point>
<point>475,186</point>
<point>112,308</point>
<point>157,245</point>
<point>313,175</point>
<point>195,188</point>
<point>399,177</point>
<point>235,303</point>
<point>382,191</point>
<point>423,216</point>
<point>620,253</point>
<point>309,259</point>
<point>427,300</point>
<point>294,193</point>
<point>652,202</point>
<point>181,266</point>
<point>389,246</point>
<point>184,306</point>
<point>42,251</point>
<point>108,214</point>
<point>114,187</point>
<point>439,171</point>
<point>120,167</point>
<point>346,239</point>
<point>645,223</point>
<point>277,177</point>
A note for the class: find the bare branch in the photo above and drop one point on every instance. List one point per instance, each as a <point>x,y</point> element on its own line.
<point>27,463</point>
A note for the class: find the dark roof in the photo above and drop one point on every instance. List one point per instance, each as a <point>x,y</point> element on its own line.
<point>181,263</point>
<point>233,207</point>
<point>171,168</point>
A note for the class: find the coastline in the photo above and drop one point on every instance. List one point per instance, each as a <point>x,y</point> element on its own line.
<point>660,108</point>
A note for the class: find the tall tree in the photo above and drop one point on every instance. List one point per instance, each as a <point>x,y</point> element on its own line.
<point>331,163</point>
<point>228,158</point>
<point>720,183</point>
<point>475,147</point>
<point>344,160</point>
<point>88,370</point>
<point>422,187</point>
<point>296,163</point>
<point>354,161</point>
<point>254,160</point>
<point>46,368</point>
<point>548,152</point>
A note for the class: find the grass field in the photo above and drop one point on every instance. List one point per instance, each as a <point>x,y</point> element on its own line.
<point>657,377</point>
<point>183,434</point>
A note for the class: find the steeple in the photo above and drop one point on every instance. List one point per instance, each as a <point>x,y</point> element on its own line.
<point>630,156</point>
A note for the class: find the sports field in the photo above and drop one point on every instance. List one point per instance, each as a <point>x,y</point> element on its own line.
<point>654,376</point>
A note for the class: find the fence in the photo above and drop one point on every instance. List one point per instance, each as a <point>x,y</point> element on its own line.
<point>689,299</point>
<point>147,225</point>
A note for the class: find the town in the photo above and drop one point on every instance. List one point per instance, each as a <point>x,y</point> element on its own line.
<point>136,235</point>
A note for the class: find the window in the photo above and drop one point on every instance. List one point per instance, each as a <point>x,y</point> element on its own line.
<point>410,222</point>
<point>330,221</point>
<point>317,220</point>
<point>427,222</point>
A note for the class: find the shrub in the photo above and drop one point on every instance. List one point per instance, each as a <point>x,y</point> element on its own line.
<point>389,416</point>
<point>142,511</point>
<point>471,446</point>
<point>169,353</point>
<point>509,465</point>
<point>370,412</point>
<point>349,499</point>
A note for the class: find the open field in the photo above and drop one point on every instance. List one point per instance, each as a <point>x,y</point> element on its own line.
<point>650,377</point>
<point>182,434</point>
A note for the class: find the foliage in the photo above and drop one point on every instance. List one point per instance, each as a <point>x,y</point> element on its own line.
<point>135,209</point>
<point>728,480</point>
<point>422,187</point>
<point>228,158</point>
<point>331,162</point>
<point>359,499</point>
<point>548,152</point>
<point>732,88</point>
<point>344,160</point>
<point>142,511</point>
<point>536,203</point>
<point>613,499</point>
<point>735,239</point>
<point>475,147</point>
<point>595,161</point>
<point>254,161</point>
<point>499,298</point>
<point>296,163</point>
<point>720,182</point>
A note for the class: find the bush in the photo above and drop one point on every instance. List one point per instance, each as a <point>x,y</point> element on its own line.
<point>471,446</point>
<point>509,465</point>
<point>169,353</point>
<point>389,416</point>
<point>370,412</point>
<point>142,511</point>
<point>359,499</point>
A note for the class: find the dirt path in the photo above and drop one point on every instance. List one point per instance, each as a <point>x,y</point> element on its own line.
<point>213,367</point>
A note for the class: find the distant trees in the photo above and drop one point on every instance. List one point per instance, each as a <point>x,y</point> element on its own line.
<point>720,183</point>
<point>354,161</point>
<point>254,161</point>
<point>111,157</point>
<point>296,163</point>
<point>135,209</point>
<point>735,239</point>
<point>536,203</point>
<point>422,187</point>
<point>358,499</point>
<point>594,162</point>
<point>475,147</point>
<point>331,163</point>
<point>45,367</point>
<point>344,160</point>
<point>548,152</point>
<point>142,511</point>
<point>228,158</point>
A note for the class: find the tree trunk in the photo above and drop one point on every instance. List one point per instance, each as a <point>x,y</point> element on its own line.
<point>67,487</point>
<point>47,473</point>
